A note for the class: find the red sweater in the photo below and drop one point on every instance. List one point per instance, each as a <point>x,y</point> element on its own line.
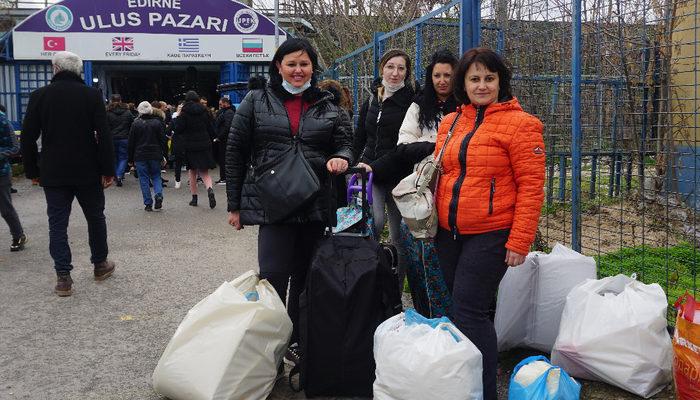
<point>295,108</point>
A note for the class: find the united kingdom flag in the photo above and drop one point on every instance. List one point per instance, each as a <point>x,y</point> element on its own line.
<point>122,43</point>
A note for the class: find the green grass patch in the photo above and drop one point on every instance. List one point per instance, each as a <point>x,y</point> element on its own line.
<point>673,268</point>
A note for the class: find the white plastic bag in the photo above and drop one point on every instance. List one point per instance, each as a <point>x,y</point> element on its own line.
<point>420,359</point>
<point>614,330</point>
<point>228,346</point>
<point>531,297</point>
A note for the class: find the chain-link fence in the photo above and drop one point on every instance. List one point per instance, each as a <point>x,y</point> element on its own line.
<point>620,112</point>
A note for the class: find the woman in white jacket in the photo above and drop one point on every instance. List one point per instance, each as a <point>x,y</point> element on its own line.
<point>417,141</point>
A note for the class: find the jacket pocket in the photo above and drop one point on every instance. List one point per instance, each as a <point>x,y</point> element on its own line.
<point>492,191</point>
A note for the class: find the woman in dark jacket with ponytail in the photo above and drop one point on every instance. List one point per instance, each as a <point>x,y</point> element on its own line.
<point>290,111</point>
<point>194,133</point>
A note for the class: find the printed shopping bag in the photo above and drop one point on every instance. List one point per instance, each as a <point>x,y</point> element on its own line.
<point>686,349</point>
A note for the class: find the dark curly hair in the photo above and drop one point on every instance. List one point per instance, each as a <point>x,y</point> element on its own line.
<point>430,107</point>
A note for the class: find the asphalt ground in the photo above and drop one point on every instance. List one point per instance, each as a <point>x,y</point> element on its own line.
<point>105,340</point>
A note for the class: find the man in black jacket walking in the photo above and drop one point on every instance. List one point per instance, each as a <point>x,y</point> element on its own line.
<point>77,161</point>
<point>119,120</point>
<point>222,125</point>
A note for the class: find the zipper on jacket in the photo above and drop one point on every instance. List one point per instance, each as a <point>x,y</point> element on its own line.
<point>376,134</point>
<point>454,202</point>
<point>491,193</point>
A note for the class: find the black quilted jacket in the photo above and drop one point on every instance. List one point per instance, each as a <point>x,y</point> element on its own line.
<point>261,124</point>
<point>378,127</point>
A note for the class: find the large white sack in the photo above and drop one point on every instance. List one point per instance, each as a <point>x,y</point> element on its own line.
<point>514,303</point>
<point>417,361</point>
<point>228,346</point>
<point>531,297</point>
<point>614,330</point>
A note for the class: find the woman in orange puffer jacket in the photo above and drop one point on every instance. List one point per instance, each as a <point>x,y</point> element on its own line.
<point>489,195</point>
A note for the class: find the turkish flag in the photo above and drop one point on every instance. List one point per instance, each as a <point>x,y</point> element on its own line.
<point>54,43</point>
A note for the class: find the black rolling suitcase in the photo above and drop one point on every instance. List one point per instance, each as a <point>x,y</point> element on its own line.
<point>351,288</point>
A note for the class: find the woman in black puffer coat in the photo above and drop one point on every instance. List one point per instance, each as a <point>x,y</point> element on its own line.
<point>268,122</point>
<point>195,132</point>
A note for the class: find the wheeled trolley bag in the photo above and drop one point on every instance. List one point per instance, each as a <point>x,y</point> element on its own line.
<point>351,288</point>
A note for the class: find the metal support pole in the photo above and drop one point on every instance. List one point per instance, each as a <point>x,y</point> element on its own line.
<point>562,178</point>
<point>18,95</point>
<point>277,24</point>
<point>466,32</point>
<point>355,91</point>
<point>378,50</point>
<point>576,127</point>
<point>419,52</point>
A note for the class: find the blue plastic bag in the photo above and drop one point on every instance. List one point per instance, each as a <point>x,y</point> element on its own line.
<point>568,388</point>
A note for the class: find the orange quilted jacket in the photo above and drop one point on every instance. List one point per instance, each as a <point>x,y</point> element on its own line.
<point>492,173</point>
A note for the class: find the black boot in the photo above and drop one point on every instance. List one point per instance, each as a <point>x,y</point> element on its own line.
<point>193,203</point>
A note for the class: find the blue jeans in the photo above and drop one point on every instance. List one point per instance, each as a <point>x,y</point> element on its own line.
<point>59,200</point>
<point>149,171</point>
<point>121,150</point>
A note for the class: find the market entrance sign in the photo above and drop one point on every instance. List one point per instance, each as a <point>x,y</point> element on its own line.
<point>148,30</point>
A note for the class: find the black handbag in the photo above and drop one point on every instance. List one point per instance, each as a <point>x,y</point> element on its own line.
<point>286,184</point>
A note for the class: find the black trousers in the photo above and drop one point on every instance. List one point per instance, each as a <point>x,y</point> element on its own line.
<point>473,266</point>
<point>221,159</point>
<point>59,200</point>
<point>284,256</point>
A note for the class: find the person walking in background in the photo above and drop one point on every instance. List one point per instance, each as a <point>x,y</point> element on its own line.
<point>147,149</point>
<point>195,131</point>
<point>222,126</point>
<point>416,142</point>
<point>77,161</point>
<point>175,146</point>
<point>268,122</point>
<point>489,196</point>
<point>9,147</point>
<point>377,134</point>
<point>119,120</point>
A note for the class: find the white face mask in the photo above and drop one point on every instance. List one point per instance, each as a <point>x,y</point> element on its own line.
<point>293,89</point>
<point>392,88</point>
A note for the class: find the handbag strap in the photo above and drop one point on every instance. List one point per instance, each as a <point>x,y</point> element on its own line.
<point>424,185</point>
<point>438,160</point>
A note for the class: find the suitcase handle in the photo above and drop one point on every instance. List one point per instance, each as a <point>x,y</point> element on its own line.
<point>354,187</point>
<point>363,195</point>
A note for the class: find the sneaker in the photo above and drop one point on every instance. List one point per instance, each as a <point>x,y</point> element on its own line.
<point>13,190</point>
<point>165,180</point>
<point>221,183</point>
<point>212,199</point>
<point>104,270</point>
<point>159,203</point>
<point>64,285</point>
<point>119,182</point>
<point>148,207</point>
<point>193,203</point>
<point>293,355</point>
<point>177,184</point>
<point>18,244</point>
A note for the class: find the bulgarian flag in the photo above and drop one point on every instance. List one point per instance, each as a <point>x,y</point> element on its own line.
<point>252,45</point>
